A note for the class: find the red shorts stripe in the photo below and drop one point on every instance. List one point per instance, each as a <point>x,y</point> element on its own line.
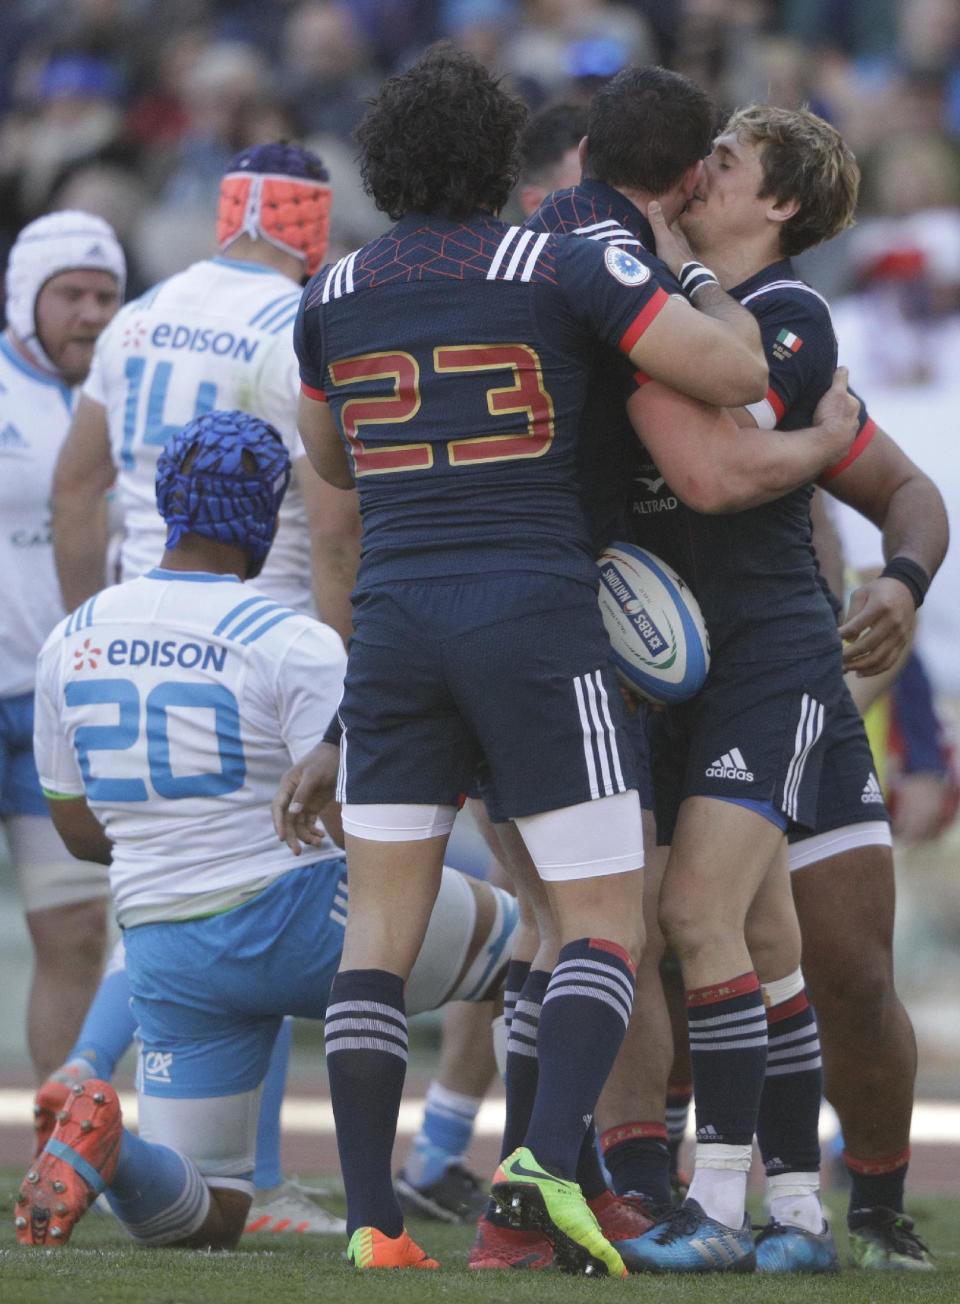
<point>860,444</point>
<point>629,1132</point>
<point>643,319</point>
<point>739,986</point>
<point>319,394</point>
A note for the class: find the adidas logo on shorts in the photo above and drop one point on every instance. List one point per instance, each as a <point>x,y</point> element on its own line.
<point>731,765</point>
<point>871,791</point>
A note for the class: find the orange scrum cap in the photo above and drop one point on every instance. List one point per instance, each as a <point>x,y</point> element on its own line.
<point>279,193</point>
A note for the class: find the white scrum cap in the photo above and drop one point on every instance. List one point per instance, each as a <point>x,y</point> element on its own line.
<point>59,242</point>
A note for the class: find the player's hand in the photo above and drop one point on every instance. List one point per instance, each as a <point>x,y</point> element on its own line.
<point>838,416</point>
<point>672,246</point>
<point>304,790</point>
<point>878,627</point>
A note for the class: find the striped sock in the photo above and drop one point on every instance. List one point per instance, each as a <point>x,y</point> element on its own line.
<point>679,1096</point>
<point>582,1024</point>
<point>638,1160</point>
<point>520,1080</point>
<point>366,1041</point>
<point>728,1054</point>
<point>157,1193</point>
<point>787,1126</point>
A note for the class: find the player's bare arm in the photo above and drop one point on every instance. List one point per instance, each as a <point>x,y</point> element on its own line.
<point>700,357</point>
<point>81,478</point>
<point>905,505</point>
<point>81,831</point>
<point>709,297</point>
<point>333,519</point>
<point>715,465</point>
<point>322,441</point>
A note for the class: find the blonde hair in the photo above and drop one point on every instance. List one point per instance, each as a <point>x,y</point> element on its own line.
<point>806,159</point>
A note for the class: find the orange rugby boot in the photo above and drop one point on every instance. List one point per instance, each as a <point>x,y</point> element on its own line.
<point>370,1248</point>
<point>77,1163</point>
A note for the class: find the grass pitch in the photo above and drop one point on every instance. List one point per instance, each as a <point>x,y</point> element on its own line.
<point>100,1267</point>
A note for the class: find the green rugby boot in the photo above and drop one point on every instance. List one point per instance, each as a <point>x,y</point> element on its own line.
<point>534,1200</point>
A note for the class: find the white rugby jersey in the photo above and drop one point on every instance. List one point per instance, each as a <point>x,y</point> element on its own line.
<point>175,702</point>
<point>35,411</point>
<point>218,335</point>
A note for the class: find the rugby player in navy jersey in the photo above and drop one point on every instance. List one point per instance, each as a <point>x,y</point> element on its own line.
<point>453,355</point>
<point>647,132</point>
<point>773,744</point>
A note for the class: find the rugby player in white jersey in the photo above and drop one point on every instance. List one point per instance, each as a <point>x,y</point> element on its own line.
<point>218,334</point>
<point>169,707</point>
<point>64,282</point>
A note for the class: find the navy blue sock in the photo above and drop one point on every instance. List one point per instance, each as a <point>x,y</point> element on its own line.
<point>638,1160</point>
<point>584,1017</point>
<point>366,1040</point>
<point>788,1122</point>
<point>679,1096</point>
<point>728,1054</point>
<point>269,1170</point>
<point>590,1176</point>
<point>517,973</point>
<point>521,1076</point>
<point>876,1183</point>
<point>108,1029</point>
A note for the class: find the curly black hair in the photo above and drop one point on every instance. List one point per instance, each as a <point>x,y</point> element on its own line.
<point>441,138</point>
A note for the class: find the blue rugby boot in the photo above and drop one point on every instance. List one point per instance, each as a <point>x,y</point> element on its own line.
<point>781,1248</point>
<point>686,1240</point>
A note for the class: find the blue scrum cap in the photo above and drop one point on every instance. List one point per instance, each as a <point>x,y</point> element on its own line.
<point>223,476</point>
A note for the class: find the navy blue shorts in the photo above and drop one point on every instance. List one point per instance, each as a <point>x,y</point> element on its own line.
<point>756,735</point>
<point>849,790</point>
<point>511,669</point>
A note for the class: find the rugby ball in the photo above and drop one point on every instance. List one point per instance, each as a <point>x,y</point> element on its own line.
<point>661,649</point>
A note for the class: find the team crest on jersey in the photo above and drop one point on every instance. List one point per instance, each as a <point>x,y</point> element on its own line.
<point>627,269</point>
<point>134,335</point>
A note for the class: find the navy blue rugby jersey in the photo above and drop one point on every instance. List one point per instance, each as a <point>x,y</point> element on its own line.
<point>754,573</point>
<point>455,358</point>
<point>611,456</point>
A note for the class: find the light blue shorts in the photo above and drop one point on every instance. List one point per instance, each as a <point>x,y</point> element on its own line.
<point>209,994</point>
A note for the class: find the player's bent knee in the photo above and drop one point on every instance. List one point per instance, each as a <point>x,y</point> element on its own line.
<point>590,840</point>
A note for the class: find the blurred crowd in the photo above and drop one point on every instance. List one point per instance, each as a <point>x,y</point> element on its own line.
<point>132,107</point>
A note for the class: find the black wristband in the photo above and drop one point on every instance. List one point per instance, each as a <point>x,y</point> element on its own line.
<point>910,573</point>
<point>334,731</point>
<point>694,276</point>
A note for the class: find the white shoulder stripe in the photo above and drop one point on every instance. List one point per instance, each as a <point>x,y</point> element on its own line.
<point>514,262</point>
<point>502,248</point>
<point>785,285</point>
<point>595,226</point>
<point>328,283</point>
<point>533,255</point>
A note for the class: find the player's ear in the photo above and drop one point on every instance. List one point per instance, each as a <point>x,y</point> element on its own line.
<point>691,179</point>
<point>782,210</point>
<point>583,150</point>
